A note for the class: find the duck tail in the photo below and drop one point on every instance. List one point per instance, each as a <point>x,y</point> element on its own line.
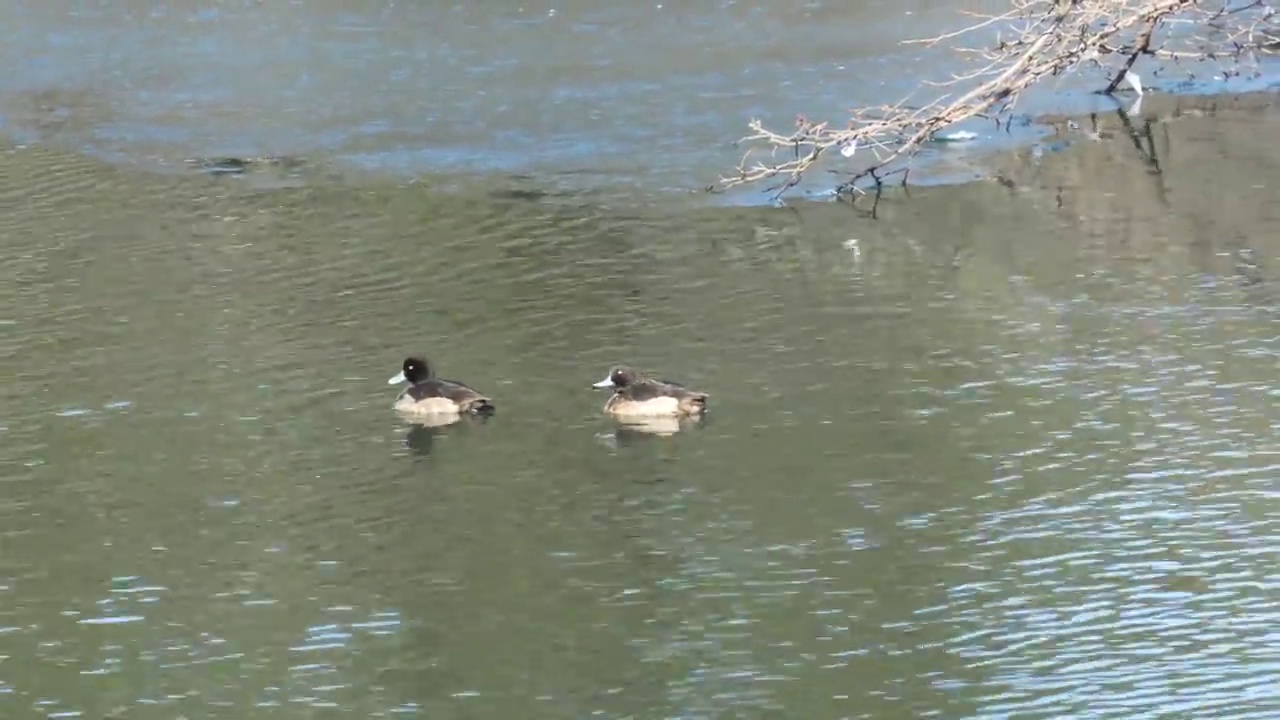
<point>483,406</point>
<point>698,402</point>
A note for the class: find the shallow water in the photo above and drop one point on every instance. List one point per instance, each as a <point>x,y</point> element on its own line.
<point>641,99</point>
<point>1008,451</point>
<point>578,94</point>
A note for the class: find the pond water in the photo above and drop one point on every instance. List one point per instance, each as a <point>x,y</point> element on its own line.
<point>1007,449</point>
<point>639,99</point>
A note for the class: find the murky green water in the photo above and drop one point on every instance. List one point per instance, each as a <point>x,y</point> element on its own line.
<point>1002,453</point>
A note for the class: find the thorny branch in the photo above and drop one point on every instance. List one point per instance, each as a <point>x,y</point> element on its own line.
<point>1036,39</point>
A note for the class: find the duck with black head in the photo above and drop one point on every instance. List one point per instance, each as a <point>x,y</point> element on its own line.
<point>430,396</point>
<point>636,395</point>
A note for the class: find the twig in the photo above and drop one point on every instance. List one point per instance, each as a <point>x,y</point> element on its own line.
<point>1036,39</point>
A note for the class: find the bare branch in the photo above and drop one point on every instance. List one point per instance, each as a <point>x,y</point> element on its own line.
<point>1033,41</point>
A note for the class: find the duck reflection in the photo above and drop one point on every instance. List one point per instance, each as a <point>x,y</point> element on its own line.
<point>423,431</point>
<point>638,431</point>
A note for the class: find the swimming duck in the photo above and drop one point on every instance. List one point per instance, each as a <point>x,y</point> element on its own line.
<point>638,396</point>
<point>429,395</point>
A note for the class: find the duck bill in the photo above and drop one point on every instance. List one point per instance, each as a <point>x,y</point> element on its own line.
<point>399,378</point>
<point>605,383</point>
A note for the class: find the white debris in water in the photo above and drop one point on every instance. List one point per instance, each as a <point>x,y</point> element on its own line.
<point>852,246</point>
<point>1134,81</point>
<point>850,148</point>
<point>956,136</point>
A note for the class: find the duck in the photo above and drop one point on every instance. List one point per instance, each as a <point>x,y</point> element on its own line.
<point>429,395</point>
<point>636,395</point>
